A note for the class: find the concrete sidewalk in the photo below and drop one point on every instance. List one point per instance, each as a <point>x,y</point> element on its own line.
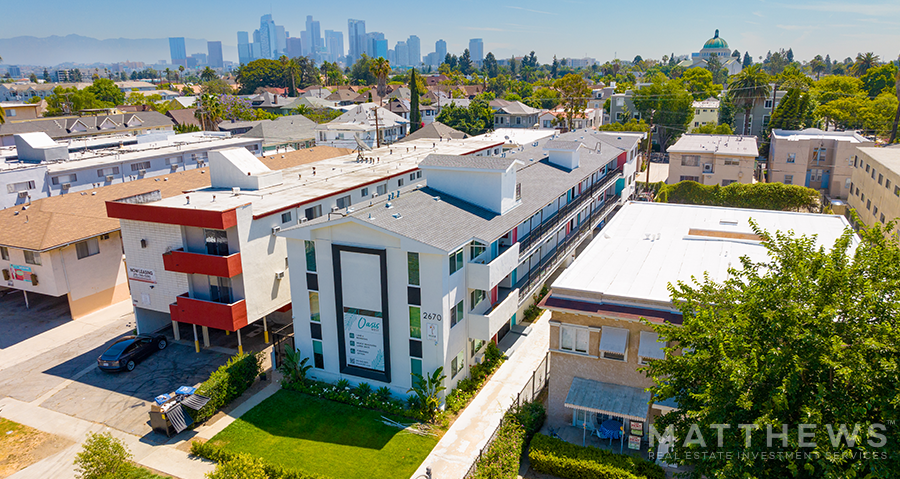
<point>458,449</point>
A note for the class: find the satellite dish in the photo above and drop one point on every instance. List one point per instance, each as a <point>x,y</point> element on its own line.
<point>360,144</point>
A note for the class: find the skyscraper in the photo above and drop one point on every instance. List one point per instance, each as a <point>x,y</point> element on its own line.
<point>294,47</point>
<point>214,60</point>
<point>476,50</point>
<point>356,36</point>
<point>415,50</point>
<point>401,54</point>
<point>315,36</point>
<point>334,44</point>
<point>372,48</point>
<point>440,48</point>
<point>177,51</point>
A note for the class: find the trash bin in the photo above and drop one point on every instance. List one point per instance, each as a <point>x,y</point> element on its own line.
<point>168,415</point>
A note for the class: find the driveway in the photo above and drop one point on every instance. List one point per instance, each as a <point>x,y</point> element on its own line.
<point>64,377</point>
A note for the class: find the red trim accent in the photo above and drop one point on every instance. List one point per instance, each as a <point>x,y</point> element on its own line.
<point>624,312</point>
<point>220,220</point>
<point>285,308</point>
<point>229,317</point>
<point>622,158</point>
<point>181,261</point>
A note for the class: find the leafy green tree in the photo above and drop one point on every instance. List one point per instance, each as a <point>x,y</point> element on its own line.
<point>713,129</point>
<point>746,89</point>
<point>67,101</point>
<point>465,63</point>
<point>833,87</point>
<point>809,336</point>
<point>699,82</point>
<point>105,90</point>
<point>102,457</point>
<point>714,66</point>
<point>260,74</point>
<point>415,117</point>
<point>427,389</point>
<point>208,74</point>
<point>573,94</point>
<point>880,79</point>
<point>209,111</point>
<point>216,86</point>
<point>544,98</point>
<point>747,61</point>
<point>475,119</point>
<point>241,466</point>
<point>864,61</point>
<point>489,66</point>
<point>630,125</point>
<point>33,78</point>
<point>817,66</point>
<point>792,113</point>
<point>667,105</point>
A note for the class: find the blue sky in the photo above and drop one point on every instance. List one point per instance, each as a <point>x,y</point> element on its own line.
<point>566,28</point>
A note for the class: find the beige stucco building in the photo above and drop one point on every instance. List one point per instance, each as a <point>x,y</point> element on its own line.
<point>822,160</point>
<point>712,159</point>
<point>706,112</point>
<point>876,185</point>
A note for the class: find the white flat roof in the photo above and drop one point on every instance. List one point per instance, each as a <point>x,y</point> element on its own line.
<point>646,246</point>
<point>331,176</point>
<point>716,144</point>
<point>518,136</point>
<point>816,134</point>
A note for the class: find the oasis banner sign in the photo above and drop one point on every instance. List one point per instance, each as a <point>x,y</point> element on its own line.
<point>364,338</point>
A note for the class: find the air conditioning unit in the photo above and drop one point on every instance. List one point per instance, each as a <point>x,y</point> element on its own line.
<point>104,237</point>
<point>707,168</point>
<point>109,177</point>
<point>174,167</point>
<point>65,186</point>
<point>302,220</point>
<point>279,275</point>
<point>23,194</point>
<point>142,172</point>
<point>276,229</point>
<point>334,209</point>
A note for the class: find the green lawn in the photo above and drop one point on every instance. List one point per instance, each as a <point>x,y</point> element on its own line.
<point>329,438</point>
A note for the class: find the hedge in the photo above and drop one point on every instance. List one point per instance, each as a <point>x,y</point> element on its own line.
<point>273,471</point>
<point>762,196</point>
<point>503,455</point>
<point>227,383</point>
<point>467,388</point>
<point>556,457</point>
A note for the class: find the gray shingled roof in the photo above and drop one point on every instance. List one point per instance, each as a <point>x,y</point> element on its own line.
<point>435,130</point>
<point>567,145</point>
<point>450,222</point>
<point>470,162</point>
<point>283,129</point>
<point>62,127</point>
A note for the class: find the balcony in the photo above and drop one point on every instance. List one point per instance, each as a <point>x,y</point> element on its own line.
<point>181,261</point>
<point>486,324</point>
<point>229,317</point>
<point>482,275</point>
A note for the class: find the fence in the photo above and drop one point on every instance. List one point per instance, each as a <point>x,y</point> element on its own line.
<point>535,385</point>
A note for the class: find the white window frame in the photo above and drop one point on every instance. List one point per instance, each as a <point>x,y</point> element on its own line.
<point>87,248</point>
<point>580,338</point>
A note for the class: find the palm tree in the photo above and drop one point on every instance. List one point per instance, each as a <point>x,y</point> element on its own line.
<point>289,67</point>
<point>748,87</point>
<point>209,112</point>
<point>381,68</point>
<point>817,65</point>
<point>863,63</point>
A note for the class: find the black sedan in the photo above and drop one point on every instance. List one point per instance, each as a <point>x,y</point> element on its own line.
<point>125,352</point>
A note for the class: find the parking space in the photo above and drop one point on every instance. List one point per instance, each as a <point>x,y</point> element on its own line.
<point>19,322</point>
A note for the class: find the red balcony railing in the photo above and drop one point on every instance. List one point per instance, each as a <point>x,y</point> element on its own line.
<point>181,261</point>
<point>230,317</point>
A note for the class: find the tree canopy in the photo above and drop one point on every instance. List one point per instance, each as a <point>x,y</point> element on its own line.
<point>475,119</point>
<point>667,105</point>
<point>574,93</point>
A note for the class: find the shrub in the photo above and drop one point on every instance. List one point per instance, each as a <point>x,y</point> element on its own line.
<point>467,388</point>
<point>763,196</point>
<point>503,455</point>
<point>532,312</point>
<point>363,390</point>
<point>383,393</point>
<point>559,458</point>
<point>241,466</point>
<point>102,456</point>
<point>381,400</point>
<point>222,456</point>
<point>227,383</point>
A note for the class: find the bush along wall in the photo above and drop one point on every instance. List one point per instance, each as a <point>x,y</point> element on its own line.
<point>222,456</point>
<point>503,455</point>
<point>553,456</point>
<point>227,383</point>
<point>762,196</point>
<point>467,388</point>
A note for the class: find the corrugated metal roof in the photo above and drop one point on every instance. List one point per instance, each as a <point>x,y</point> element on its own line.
<point>606,398</point>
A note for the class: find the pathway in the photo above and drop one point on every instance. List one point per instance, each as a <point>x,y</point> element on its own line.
<point>458,449</point>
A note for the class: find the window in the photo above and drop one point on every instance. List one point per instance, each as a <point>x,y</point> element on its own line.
<point>819,155</point>
<point>400,182</point>
<point>87,248</point>
<point>868,204</point>
<point>418,174</point>
<point>690,178</point>
<point>458,364</point>
<point>142,165</point>
<point>887,183</point>
<point>792,157</point>
<point>343,202</point>
<point>614,343</point>
<point>63,179</point>
<point>729,162</point>
<point>690,160</point>
<point>574,339</point>
<point>22,186</point>
<point>882,218</point>
<point>456,313</point>
<point>220,290</point>
<point>815,174</point>
<point>768,105</point>
<point>216,242</point>
<point>476,346</point>
<point>874,210</point>
<point>286,217</point>
<point>880,179</point>
<point>104,172</point>
<point>789,179</point>
<point>381,189</point>
<point>11,113</point>
<point>848,184</point>
<point>4,253</point>
<point>412,177</point>
<point>364,192</point>
<point>476,248</point>
<point>412,268</point>
<point>873,173</point>
<point>867,168</point>
<point>310,250</point>
<point>313,212</point>
<point>456,261</point>
<point>318,357</point>
<point>896,190</point>
<point>650,348</point>
<point>766,119</point>
<point>477,296</point>
<point>415,367</point>
<point>415,322</point>
<point>32,257</point>
<point>314,306</point>
<point>175,160</point>
<point>728,182</point>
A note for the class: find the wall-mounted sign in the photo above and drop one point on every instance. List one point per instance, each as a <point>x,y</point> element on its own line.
<point>637,428</point>
<point>634,442</point>
<point>20,273</point>
<point>364,338</point>
<point>141,274</point>
<point>431,331</point>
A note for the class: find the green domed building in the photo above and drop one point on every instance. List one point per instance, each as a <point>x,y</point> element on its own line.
<point>715,46</point>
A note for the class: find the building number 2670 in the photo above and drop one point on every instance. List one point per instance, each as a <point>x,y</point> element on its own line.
<point>431,316</point>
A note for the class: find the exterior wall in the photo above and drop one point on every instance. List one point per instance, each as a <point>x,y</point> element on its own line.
<point>869,196</point>
<point>494,191</point>
<point>50,274</point>
<point>21,112</point>
<point>262,255</point>
<point>759,116</point>
<point>742,173</point>
<point>704,116</point>
<point>97,281</point>
<point>838,162</point>
<point>37,174</point>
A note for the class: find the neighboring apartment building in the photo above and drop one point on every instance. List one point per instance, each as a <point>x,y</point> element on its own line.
<point>71,127</point>
<point>621,108</point>
<point>706,112</point>
<point>875,182</point>
<point>67,245</point>
<point>467,241</point>
<point>17,111</point>
<point>822,160</point>
<point>371,125</point>
<point>212,257</point>
<point>759,117</point>
<point>514,114</point>
<point>42,167</point>
<point>712,159</point>
<point>598,337</point>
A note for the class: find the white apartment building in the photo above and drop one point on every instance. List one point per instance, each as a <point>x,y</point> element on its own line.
<point>443,262</point>
<point>712,159</point>
<point>367,123</point>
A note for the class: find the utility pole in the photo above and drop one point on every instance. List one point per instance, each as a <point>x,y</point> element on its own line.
<point>897,116</point>
<point>649,146</point>
<point>377,133</point>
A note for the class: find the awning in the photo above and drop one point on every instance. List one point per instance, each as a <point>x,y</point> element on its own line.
<point>651,347</point>
<point>613,340</point>
<point>605,398</point>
